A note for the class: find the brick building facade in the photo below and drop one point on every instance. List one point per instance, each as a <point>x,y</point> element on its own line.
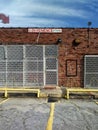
<point>73,44</point>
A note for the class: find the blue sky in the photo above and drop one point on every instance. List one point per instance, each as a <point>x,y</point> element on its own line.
<point>50,13</point>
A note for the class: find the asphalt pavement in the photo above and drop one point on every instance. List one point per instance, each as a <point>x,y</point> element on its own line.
<point>37,114</point>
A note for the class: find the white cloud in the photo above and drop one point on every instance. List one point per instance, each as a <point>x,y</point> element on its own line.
<point>34,22</point>
<point>30,8</point>
<point>45,13</point>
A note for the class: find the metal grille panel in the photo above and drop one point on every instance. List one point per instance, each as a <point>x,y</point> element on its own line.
<point>15,66</point>
<point>27,65</point>
<point>91,71</point>
<point>2,53</point>
<point>51,64</point>
<point>33,66</point>
<point>14,52</point>
<point>51,51</point>
<point>2,66</point>
<point>35,79</point>
<point>2,79</point>
<point>51,77</point>
<point>15,79</point>
<point>34,52</point>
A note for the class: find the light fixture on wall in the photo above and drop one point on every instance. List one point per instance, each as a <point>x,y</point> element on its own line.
<point>75,43</point>
<point>59,40</point>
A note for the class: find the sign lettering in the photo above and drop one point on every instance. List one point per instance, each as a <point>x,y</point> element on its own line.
<point>44,30</point>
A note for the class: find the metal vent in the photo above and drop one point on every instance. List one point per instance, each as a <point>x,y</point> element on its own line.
<point>91,71</point>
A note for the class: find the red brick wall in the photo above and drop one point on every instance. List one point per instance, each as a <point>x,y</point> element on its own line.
<point>74,55</point>
<point>70,56</point>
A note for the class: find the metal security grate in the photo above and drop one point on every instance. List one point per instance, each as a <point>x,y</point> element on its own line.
<point>33,66</point>
<point>2,53</point>
<point>34,52</point>
<point>14,65</point>
<point>2,66</point>
<point>51,77</point>
<point>51,64</point>
<point>14,52</point>
<point>51,51</point>
<point>91,71</point>
<point>28,65</point>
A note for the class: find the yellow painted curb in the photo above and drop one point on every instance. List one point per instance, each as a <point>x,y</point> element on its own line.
<point>4,101</point>
<point>6,90</point>
<point>68,90</point>
<point>50,120</point>
<point>96,102</point>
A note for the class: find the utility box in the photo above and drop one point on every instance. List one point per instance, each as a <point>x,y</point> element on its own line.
<point>91,71</point>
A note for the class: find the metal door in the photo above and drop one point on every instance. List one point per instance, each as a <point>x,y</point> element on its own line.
<point>51,72</point>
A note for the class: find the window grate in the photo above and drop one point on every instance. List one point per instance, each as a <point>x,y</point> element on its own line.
<point>91,71</point>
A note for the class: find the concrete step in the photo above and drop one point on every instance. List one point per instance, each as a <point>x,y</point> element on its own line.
<point>57,92</point>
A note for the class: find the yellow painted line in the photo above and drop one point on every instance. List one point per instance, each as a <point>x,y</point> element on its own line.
<point>4,101</point>
<point>96,102</point>
<point>50,120</point>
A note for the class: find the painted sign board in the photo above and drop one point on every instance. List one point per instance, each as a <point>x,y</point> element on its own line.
<point>45,30</point>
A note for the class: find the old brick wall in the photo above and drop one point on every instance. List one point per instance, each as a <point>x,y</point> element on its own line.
<point>71,55</point>
<point>22,36</point>
<point>76,42</point>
